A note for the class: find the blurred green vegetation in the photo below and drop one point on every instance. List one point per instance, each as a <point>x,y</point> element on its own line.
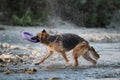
<point>23,12</point>
<point>88,13</point>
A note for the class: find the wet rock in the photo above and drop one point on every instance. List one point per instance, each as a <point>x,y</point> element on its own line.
<point>23,70</point>
<point>10,58</point>
<point>107,38</point>
<point>5,45</point>
<point>32,71</point>
<point>9,46</point>
<point>7,71</point>
<point>14,47</point>
<point>3,65</point>
<point>18,57</point>
<point>1,61</point>
<point>5,57</point>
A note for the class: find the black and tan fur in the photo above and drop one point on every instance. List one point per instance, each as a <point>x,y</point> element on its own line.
<point>66,42</point>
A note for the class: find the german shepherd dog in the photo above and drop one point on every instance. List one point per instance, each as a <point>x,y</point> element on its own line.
<point>66,42</point>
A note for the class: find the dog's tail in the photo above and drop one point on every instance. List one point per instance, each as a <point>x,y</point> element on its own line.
<point>95,53</point>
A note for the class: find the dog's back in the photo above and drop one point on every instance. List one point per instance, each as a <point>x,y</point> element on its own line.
<point>69,41</point>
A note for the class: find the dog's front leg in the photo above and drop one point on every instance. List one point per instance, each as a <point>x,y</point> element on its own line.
<point>65,58</point>
<point>44,58</point>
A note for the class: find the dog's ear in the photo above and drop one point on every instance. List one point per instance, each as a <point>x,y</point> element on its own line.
<point>44,31</point>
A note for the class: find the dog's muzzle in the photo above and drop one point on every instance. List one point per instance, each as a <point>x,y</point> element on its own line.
<point>35,38</point>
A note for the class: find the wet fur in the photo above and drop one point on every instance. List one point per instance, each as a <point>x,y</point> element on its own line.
<point>65,42</point>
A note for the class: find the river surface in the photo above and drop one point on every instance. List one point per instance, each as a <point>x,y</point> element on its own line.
<point>106,42</point>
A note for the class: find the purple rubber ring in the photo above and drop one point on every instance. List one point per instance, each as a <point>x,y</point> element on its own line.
<point>28,37</point>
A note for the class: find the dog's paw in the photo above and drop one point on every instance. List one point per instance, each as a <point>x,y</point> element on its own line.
<point>94,62</point>
<point>68,63</point>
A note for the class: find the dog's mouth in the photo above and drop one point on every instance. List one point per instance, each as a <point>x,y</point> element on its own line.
<point>35,38</point>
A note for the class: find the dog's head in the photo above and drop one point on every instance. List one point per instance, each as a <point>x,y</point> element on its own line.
<point>42,36</point>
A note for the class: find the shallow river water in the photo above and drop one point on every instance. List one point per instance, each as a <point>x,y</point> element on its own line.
<point>107,68</point>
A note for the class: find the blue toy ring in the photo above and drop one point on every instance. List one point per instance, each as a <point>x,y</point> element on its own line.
<point>28,36</point>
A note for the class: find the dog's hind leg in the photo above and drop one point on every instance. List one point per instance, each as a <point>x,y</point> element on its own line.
<point>79,50</point>
<point>87,57</point>
<point>91,55</point>
<point>75,60</point>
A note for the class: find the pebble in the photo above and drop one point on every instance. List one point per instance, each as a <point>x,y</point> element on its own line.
<point>5,45</point>
<point>14,47</point>
<point>32,71</point>
<point>10,58</point>
<point>1,61</point>
<point>7,71</point>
